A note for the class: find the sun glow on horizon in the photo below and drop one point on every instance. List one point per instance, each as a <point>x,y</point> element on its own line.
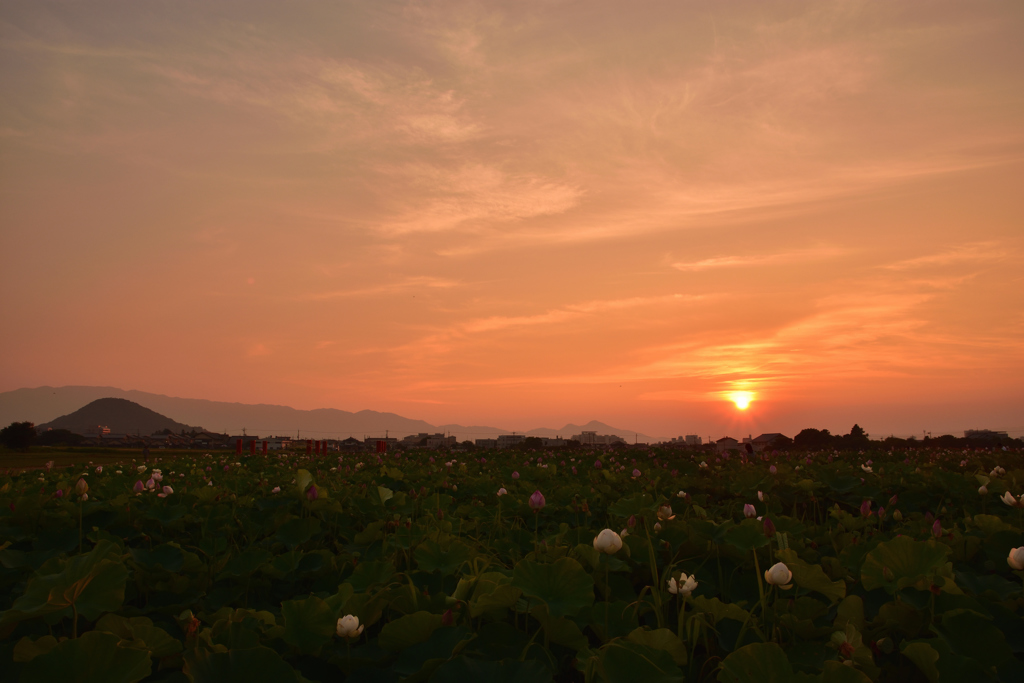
<point>742,399</point>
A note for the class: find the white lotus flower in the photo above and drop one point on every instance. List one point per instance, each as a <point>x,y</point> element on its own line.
<point>1016,558</point>
<point>1011,501</point>
<point>684,586</point>
<point>779,575</point>
<point>349,627</point>
<point>608,542</point>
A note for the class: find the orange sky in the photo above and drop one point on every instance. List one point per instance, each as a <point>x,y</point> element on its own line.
<point>522,214</point>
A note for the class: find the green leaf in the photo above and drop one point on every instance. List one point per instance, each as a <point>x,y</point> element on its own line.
<point>385,494</point>
<point>26,650</point>
<point>747,535</point>
<point>661,639</point>
<point>463,670</point>
<point>438,647</point>
<point>560,630</point>
<point>837,672</point>
<point>94,658</point>
<point>297,531</point>
<point>912,563</point>
<point>637,504</point>
<point>622,618</point>
<point>624,661</point>
<point>564,586</point>
<point>756,663</point>
<point>812,576</point>
<point>302,480</point>
<point>308,624</point>
<point>408,630</point>
<point>493,594</point>
<point>166,557</point>
<point>969,634</point>
<point>720,610</point>
<point>142,633</point>
<point>924,657</point>
<point>94,582</point>
<point>245,563</point>
<point>430,557</point>
<point>249,665</point>
<point>368,574</point>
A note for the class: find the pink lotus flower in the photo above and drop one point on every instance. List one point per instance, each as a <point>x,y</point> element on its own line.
<point>636,473</point>
<point>139,487</point>
<point>597,464</point>
<point>515,475</point>
<point>749,511</point>
<point>865,508</point>
<point>537,501</point>
<point>312,493</point>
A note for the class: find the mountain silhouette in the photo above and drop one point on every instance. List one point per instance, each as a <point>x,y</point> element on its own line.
<point>119,415</point>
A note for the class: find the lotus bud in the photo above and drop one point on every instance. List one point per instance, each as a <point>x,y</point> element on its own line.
<point>779,575</point>
<point>665,513</point>
<point>623,533</point>
<point>631,522</point>
<point>760,496</point>
<point>865,508</point>
<point>608,542</point>
<point>1016,558</point>
<point>887,574</point>
<point>138,488</point>
<point>881,513</point>
<point>893,501</point>
<point>537,501</point>
<point>515,475</point>
<point>898,516</point>
<point>349,627</point>
<point>749,511</point>
<point>937,529</point>
<point>448,618</point>
<point>312,493</point>
<point>168,490</point>
<point>636,473</point>
<point>657,527</point>
<point>81,486</point>
<point>597,464</point>
<point>85,497</point>
<point>983,490</point>
<point>769,528</point>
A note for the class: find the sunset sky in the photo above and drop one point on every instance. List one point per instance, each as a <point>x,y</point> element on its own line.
<point>523,214</point>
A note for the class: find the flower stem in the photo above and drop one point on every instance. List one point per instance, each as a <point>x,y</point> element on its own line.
<point>760,584</point>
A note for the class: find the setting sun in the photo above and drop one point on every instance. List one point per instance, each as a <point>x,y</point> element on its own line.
<point>742,399</point>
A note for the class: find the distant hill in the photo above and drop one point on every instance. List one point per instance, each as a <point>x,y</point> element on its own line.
<point>117,414</point>
<point>43,404</point>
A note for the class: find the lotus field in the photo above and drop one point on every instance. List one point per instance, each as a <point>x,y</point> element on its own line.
<point>623,565</point>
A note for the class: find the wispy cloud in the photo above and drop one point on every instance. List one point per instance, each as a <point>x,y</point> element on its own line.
<point>977,252</point>
<point>755,260</point>
<point>401,285</point>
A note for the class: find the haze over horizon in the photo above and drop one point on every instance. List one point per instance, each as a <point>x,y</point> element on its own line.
<point>523,214</point>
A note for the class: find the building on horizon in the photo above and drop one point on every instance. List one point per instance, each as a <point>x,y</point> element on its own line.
<point>595,439</point>
<point>985,434</point>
